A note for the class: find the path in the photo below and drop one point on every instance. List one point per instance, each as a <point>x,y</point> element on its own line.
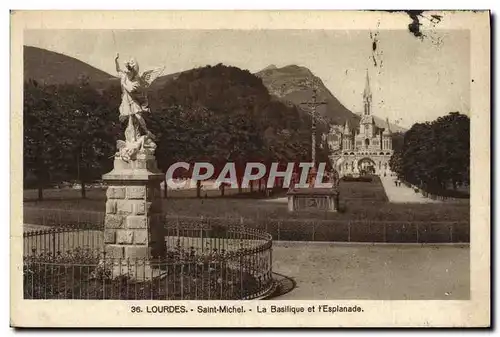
<point>331,271</point>
<point>402,194</point>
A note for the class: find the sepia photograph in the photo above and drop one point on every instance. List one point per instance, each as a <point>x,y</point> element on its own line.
<point>246,169</point>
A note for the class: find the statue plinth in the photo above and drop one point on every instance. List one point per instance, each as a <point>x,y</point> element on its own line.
<point>312,197</point>
<point>323,199</point>
<point>133,226</point>
<point>144,167</point>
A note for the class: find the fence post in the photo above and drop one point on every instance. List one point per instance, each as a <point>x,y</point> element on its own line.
<point>182,281</point>
<point>53,244</point>
<point>348,231</point>
<point>313,228</point>
<point>177,226</point>
<point>241,276</point>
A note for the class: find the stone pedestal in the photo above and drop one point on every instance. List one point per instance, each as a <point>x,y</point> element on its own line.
<point>133,226</point>
<point>325,199</point>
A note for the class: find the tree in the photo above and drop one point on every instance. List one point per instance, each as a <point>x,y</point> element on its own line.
<point>436,154</point>
<point>69,132</point>
<point>89,128</point>
<point>453,133</point>
<point>395,163</point>
<point>224,114</point>
<point>41,146</point>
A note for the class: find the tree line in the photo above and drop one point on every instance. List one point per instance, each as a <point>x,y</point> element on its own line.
<point>435,155</point>
<point>214,114</point>
<point>68,134</point>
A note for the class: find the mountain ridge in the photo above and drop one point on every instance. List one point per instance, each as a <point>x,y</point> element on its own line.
<point>292,84</point>
<point>51,67</point>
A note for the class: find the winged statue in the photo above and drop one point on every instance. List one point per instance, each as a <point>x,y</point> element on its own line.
<point>134,105</point>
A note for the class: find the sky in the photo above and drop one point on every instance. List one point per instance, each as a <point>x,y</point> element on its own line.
<point>414,80</point>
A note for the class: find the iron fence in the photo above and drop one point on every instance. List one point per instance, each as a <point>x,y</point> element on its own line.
<point>369,231</point>
<point>202,262</point>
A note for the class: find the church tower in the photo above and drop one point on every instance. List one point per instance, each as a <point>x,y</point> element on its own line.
<point>367,121</point>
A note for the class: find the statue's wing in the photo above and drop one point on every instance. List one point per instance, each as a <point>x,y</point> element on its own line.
<point>150,75</point>
<point>120,144</point>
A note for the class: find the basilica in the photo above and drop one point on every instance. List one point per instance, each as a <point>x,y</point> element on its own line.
<point>363,150</point>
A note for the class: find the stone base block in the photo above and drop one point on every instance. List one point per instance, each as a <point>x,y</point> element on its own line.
<point>134,226</point>
<point>127,251</point>
<point>113,251</point>
<point>313,199</point>
<point>138,271</point>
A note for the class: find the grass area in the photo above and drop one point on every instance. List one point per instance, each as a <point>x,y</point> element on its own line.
<point>358,201</point>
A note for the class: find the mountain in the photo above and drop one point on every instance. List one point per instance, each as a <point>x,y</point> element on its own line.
<point>291,84</point>
<point>269,67</point>
<point>161,81</point>
<point>49,67</point>
<point>288,84</point>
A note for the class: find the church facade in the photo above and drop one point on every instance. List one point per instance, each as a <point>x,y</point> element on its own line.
<point>363,150</point>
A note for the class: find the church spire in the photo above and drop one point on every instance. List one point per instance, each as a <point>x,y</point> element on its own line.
<point>367,92</point>
<point>387,130</point>
<point>347,130</point>
<point>367,96</point>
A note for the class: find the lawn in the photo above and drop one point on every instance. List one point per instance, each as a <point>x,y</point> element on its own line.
<point>358,201</point>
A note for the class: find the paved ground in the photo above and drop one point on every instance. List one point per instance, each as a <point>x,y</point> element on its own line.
<point>325,270</point>
<point>402,194</point>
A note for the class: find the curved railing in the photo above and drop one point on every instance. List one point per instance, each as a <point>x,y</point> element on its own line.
<point>203,261</point>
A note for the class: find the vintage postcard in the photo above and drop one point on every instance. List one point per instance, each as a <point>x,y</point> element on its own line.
<point>250,168</point>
